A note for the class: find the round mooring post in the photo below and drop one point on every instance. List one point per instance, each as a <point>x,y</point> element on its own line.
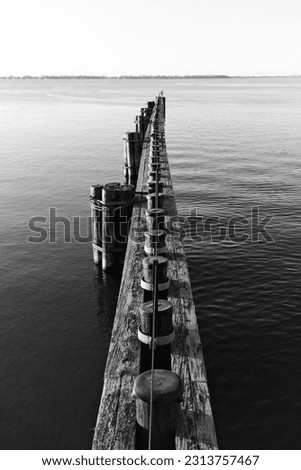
<point>132,156</point>
<point>152,175</point>
<point>109,198</point>
<point>155,219</point>
<point>163,337</point>
<point>167,395</point>
<point>152,186</point>
<point>147,280</point>
<point>144,120</point>
<point>152,201</point>
<point>136,122</point>
<point>153,167</point>
<point>164,331</point>
<point>164,106</point>
<point>142,125</point>
<point>96,221</point>
<point>150,105</point>
<point>155,158</point>
<point>154,241</point>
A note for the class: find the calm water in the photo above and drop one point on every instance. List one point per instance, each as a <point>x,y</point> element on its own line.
<point>233,144</point>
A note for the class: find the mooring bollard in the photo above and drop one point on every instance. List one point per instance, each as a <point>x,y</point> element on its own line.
<point>164,330</point>
<point>96,221</point>
<point>162,279</point>
<point>164,335</point>
<point>153,185</point>
<point>152,200</point>
<point>154,242</point>
<point>167,395</point>
<point>153,167</point>
<point>155,219</point>
<point>150,105</point>
<point>152,175</point>
<point>155,158</point>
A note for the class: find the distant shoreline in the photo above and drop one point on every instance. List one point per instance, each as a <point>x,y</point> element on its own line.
<point>137,77</point>
<point>105,77</point>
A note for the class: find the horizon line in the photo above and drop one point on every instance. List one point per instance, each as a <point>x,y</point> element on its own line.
<point>142,76</point>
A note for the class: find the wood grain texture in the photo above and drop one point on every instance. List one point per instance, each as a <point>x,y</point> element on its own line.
<point>116,424</point>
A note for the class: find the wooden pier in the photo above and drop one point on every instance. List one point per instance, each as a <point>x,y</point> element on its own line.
<point>128,356</point>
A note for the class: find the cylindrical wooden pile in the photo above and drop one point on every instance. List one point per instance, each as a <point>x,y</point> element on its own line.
<point>111,208</point>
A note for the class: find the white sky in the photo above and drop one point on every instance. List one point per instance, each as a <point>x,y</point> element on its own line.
<point>113,37</point>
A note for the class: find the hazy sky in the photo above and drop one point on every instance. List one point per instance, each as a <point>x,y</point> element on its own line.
<point>112,37</point>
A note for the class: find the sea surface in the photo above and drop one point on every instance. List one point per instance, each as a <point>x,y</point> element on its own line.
<point>235,154</point>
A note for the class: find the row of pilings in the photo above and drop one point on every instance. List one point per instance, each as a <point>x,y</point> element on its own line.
<point>157,390</point>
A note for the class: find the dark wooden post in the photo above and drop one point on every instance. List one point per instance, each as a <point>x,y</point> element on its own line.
<point>109,197</point>
<point>155,219</point>
<point>154,166</point>
<point>155,159</point>
<point>163,98</point>
<point>151,201</point>
<point>137,125</point>
<point>132,155</point>
<point>152,185</point>
<point>152,175</point>
<point>167,395</point>
<point>154,239</point>
<point>143,120</point>
<point>164,326</point>
<point>164,335</point>
<point>96,221</point>
<point>147,280</point>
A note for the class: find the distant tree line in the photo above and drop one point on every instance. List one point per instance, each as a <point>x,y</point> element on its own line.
<point>93,77</point>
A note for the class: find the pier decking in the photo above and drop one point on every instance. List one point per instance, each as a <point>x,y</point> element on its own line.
<point>116,421</point>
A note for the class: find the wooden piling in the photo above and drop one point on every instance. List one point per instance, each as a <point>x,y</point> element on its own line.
<point>109,197</point>
<point>164,326</point>
<point>162,278</point>
<point>154,242</point>
<point>152,200</point>
<point>155,219</point>
<point>96,221</point>
<point>153,185</point>
<point>152,175</point>
<point>167,395</point>
<point>164,335</point>
<point>132,156</point>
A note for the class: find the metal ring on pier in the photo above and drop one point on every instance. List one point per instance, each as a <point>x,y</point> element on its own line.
<point>159,340</point>
<point>149,286</point>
